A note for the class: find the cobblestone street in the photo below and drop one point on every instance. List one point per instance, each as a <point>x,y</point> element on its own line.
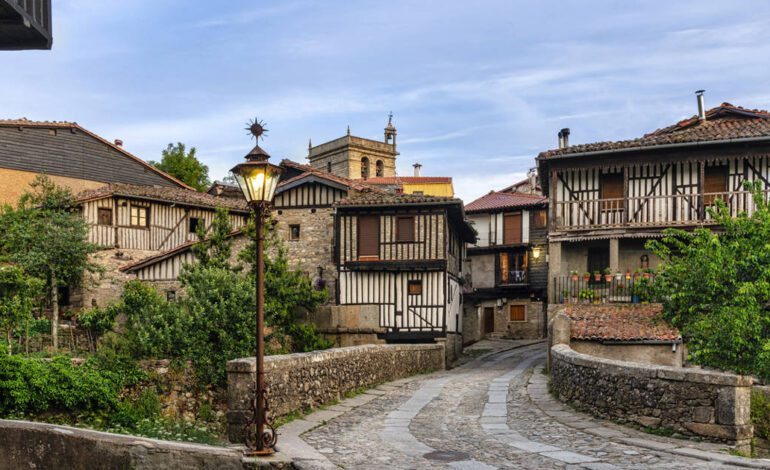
<point>491,412</point>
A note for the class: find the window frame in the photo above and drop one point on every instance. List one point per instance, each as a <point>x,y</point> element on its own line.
<point>414,283</point>
<point>190,224</point>
<point>378,228</point>
<point>540,218</point>
<point>146,211</point>
<point>292,238</point>
<point>523,311</point>
<point>510,216</point>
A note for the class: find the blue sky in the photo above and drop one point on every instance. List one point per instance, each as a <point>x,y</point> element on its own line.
<point>477,88</point>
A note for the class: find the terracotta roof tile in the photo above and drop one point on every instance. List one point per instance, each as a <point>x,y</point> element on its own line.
<point>500,200</point>
<point>354,184</point>
<point>380,198</point>
<point>723,122</point>
<point>619,322</point>
<point>178,195</point>
<point>409,180</point>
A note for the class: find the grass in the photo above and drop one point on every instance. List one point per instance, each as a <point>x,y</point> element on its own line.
<point>664,432</point>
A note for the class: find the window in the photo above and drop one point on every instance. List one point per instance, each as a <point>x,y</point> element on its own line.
<point>512,229</point>
<point>611,187</point>
<point>598,260</point>
<point>368,236</point>
<point>414,287</point>
<point>171,295</point>
<point>540,219</point>
<point>379,168</point>
<point>328,167</point>
<point>513,267</point>
<point>714,183</point>
<point>63,295</point>
<point>518,313</point>
<point>194,222</point>
<point>294,232</point>
<point>140,216</point>
<point>104,216</point>
<point>405,229</point>
<point>365,168</point>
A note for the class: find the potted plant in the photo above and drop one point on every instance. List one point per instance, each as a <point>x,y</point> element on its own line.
<point>564,296</point>
<point>574,276</point>
<point>628,274</point>
<point>597,276</point>
<point>647,273</point>
<point>586,295</point>
<point>618,275</point>
<point>586,276</point>
<point>607,275</point>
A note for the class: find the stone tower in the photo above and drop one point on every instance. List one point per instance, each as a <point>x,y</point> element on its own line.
<point>356,157</point>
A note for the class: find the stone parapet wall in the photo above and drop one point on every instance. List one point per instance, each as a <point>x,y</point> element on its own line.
<point>714,405</point>
<point>39,445</point>
<point>307,380</point>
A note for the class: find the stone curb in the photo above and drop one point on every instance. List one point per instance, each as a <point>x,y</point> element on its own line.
<point>618,434</point>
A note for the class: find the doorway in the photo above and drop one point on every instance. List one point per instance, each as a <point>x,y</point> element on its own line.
<point>489,320</point>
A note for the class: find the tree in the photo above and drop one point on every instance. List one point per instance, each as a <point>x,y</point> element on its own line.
<point>47,237</point>
<point>715,287</point>
<point>214,246</point>
<point>184,166</point>
<point>19,293</point>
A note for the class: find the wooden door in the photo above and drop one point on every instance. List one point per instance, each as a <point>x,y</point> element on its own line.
<point>368,236</point>
<point>489,320</point>
<point>512,229</point>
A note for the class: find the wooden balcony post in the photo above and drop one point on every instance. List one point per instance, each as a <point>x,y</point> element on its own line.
<point>701,178</point>
<point>626,207</point>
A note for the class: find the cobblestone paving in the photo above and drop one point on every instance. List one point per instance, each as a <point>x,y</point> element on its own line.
<point>482,416</point>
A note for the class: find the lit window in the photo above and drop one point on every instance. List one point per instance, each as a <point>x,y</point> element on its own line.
<point>414,287</point>
<point>139,216</point>
<point>294,232</point>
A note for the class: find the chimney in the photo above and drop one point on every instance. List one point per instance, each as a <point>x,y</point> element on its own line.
<point>564,138</point>
<point>119,142</point>
<point>417,168</point>
<point>701,105</point>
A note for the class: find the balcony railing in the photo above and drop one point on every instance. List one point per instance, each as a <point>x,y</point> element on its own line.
<point>633,288</point>
<point>649,211</point>
<point>514,277</point>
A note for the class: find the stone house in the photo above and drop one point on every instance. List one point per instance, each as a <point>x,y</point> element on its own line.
<point>404,254</point>
<point>606,199</point>
<point>138,229</point>
<point>506,267</point>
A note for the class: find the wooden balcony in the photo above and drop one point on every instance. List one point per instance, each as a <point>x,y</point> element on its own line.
<point>649,211</point>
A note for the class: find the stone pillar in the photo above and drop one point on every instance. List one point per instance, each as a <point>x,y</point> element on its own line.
<point>558,332</point>
<point>241,374</point>
<point>615,254</point>
<point>554,268</point>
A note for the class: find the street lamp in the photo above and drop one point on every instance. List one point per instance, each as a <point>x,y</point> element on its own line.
<point>258,179</point>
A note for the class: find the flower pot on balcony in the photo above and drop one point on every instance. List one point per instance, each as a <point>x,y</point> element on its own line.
<point>608,278</point>
<point>586,277</point>
<point>635,299</point>
<point>597,277</point>
<point>574,278</point>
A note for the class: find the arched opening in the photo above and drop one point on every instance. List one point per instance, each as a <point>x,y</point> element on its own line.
<point>379,168</point>
<point>365,168</point>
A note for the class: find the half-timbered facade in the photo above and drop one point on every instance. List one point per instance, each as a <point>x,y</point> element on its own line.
<point>404,253</point>
<point>607,199</point>
<point>506,266</point>
<point>138,227</point>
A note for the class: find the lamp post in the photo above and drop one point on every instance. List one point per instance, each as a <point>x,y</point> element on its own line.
<point>258,179</point>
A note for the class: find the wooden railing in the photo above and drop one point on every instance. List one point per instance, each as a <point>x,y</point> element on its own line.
<point>649,211</point>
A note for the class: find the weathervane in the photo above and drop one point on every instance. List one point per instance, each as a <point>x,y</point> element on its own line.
<point>256,128</point>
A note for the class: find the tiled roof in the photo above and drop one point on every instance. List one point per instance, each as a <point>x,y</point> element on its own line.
<point>24,122</point>
<point>723,122</point>
<point>409,180</point>
<point>618,322</point>
<point>178,195</point>
<point>379,198</point>
<point>353,184</point>
<point>500,200</point>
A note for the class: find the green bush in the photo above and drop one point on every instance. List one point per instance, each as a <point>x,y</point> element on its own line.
<point>715,287</point>
<point>33,385</point>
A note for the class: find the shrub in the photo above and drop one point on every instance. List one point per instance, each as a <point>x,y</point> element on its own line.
<point>97,321</point>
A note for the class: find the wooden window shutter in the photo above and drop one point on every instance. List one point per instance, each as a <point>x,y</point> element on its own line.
<point>540,219</point>
<point>612,188</point>
<point>714,181</point>
<point>405,229</point>
<point>511,229</point>
<point>518,313</point>
<point>104,216</point>
<point>369,236</point>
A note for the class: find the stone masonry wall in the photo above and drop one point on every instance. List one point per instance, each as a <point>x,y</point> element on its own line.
<point>713,405</point>
<point>303,381</point>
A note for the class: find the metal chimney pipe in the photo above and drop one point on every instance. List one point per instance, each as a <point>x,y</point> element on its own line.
<point>565,137</point>
<point>118,142</point>
<point>701,105</point>
<point>417,168</point>
<point>561,140</point>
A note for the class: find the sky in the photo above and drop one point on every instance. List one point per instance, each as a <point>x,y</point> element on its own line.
<point>477,89</point>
